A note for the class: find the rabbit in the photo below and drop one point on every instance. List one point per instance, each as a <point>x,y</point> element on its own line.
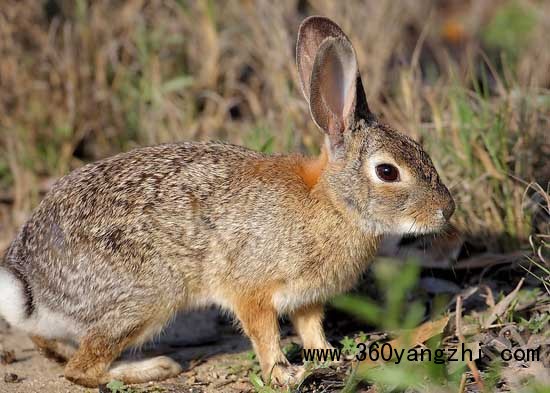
<point>118,247</point>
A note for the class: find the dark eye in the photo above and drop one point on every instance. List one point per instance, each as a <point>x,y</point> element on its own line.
<point>387,172</point>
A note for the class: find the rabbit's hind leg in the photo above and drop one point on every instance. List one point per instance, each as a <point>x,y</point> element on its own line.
<point>53,349</point>
<point>93,365</point>
<point>88,367</point>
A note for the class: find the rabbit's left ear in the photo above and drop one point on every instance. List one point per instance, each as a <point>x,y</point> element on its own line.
<point>329,77</point>
<point>311,34</point>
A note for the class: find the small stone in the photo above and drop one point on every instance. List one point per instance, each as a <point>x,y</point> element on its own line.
<point>11,378</point>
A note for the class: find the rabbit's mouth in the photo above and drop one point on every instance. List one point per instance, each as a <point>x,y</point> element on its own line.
<point>416,226</point>
<point>408,226</point>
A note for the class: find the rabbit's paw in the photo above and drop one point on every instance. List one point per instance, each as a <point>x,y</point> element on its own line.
<point>287,374</point>
<point>155,369</point>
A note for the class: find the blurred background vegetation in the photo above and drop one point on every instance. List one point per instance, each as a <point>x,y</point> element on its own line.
<point>81,80</point>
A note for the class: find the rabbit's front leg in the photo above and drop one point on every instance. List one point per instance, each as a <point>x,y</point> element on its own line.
<point>259,321</point>
<point>308,322</point>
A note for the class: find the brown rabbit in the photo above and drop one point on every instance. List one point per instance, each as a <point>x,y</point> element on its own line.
<point>118,247</point>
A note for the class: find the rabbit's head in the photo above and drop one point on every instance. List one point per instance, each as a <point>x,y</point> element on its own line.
<point>385,180</point>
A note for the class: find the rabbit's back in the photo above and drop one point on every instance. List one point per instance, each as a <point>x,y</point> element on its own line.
<point>133,227</point>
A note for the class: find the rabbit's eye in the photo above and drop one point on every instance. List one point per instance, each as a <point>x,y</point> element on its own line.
<point>387,172</point>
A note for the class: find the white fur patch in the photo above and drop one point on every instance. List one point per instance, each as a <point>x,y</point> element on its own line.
<point>12,298</point>
<point>155,369</point>
<point>408,226</point>
<point>287,300</point>
<point>43,321</point>
<point>51,324</point>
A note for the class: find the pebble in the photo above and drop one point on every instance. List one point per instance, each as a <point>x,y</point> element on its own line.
<point>11,378</point>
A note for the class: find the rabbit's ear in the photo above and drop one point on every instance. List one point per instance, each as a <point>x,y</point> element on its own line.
<point>311,34</point>
<point>329,76</point>
<point>334,84</point>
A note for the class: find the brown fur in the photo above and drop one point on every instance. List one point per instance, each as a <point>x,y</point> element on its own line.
<point>259,320</point>
<point>95,354</point>
<point>308,322</point>
<point>310,169</point>
<point>118,247</point>
<point>88,367</point>
<point>53,349</point>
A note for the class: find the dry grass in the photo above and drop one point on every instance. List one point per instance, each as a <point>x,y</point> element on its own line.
<point>82,80</point>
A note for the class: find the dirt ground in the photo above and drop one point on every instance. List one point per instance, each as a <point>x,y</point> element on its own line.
<point>215,357</point>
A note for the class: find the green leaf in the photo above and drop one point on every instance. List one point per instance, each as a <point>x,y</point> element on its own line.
<point>256,381</point>
<point>116,386</point>
<point>348,345</point>
<point>363,308</point>
<point>395,376</point>
<point>362,337</point>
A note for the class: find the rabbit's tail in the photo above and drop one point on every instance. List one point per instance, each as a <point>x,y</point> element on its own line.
<point>19,308</point>
<point>16,300</point>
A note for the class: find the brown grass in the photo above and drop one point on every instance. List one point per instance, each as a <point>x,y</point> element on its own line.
<point>81,80</point>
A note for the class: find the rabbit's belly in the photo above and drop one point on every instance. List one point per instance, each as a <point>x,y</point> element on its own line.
<point>42,321</point>
<point>50,324</point>
<point>287,300</point>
